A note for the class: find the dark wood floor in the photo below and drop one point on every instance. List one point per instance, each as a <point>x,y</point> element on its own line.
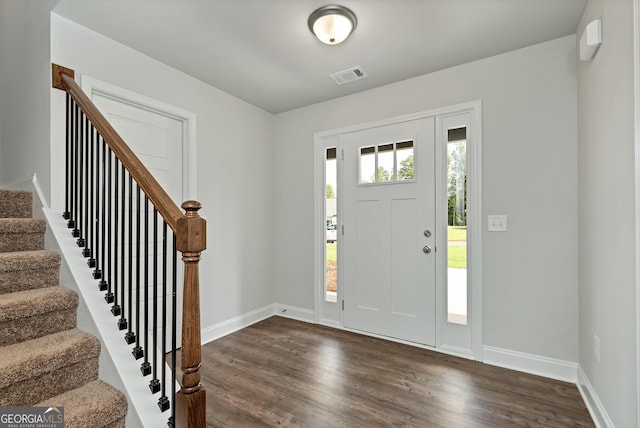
<point>286,373</point>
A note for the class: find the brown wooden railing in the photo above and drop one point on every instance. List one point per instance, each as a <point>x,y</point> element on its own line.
<point>91,144</point>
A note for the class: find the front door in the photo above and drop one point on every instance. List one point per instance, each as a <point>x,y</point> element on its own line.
<point>389,230</point>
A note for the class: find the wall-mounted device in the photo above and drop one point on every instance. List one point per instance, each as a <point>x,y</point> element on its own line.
<point>591,40</point>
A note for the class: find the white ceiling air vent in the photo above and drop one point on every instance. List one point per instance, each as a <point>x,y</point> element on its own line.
<point>349,75</point>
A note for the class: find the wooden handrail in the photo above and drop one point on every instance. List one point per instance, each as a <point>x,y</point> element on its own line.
<point>190,232</point>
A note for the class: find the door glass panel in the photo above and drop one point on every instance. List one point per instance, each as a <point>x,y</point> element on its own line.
<point>367,165</point>
<point>385,163</point>
<point>457,226</point>
<point>404,160</point>
<point>331,232</point>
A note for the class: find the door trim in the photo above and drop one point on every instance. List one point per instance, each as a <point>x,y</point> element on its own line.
<point>92,86</point>
<point>474,200</point>
<point>636,81</point>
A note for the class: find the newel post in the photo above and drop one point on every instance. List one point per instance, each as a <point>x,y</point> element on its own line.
<point>191,241</point>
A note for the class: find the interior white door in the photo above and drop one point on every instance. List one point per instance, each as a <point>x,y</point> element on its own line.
<point>389,232</point>
<point>157,140</point>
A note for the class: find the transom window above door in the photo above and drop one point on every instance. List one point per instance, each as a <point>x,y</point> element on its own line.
<point>386,163</point>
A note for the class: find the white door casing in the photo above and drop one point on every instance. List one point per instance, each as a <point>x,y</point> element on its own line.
<point>120,104</point>
<point>163,138</point>
<point>328,313</point>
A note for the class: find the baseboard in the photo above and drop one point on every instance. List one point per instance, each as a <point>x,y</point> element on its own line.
<point>239,322</point>
<point>529,363</point>
<point>330,323</point>
<point>594,405</point>
<point>229,326</point>
<point>23,183</point>
<point>293,312</point>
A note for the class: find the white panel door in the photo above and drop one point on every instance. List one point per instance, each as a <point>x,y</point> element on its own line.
<point>155,138</point>
<point>389,225</point>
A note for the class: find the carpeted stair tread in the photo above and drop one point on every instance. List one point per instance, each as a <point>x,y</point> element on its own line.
<point>44,359</point>
<point>29,314</point>
<point>15,203</point>
<point>22,234</point>
<point>37,369</point>
<point>34,356</point>
<point>28,260</point>
<point>96,404</point>
<point>29,303</point>
<point>22,225</point>
<point>23,270</point>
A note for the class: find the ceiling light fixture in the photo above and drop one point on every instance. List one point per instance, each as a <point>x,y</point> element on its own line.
<point>332,23</point>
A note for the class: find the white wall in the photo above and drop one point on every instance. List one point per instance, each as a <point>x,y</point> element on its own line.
<point>606,206</point>
<point>24,90</point>
<point>530,173</point>
<point>234,171</point>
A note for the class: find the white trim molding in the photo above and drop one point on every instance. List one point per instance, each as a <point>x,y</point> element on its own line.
<point>329,138</point>
<point>294,312</point>
<point>636,84</point>
<point>221,329</point>
<point>596,409</point>
<point>529,363</point>
<point>92,86</point>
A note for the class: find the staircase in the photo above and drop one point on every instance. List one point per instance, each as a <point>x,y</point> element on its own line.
<point>44,359</point>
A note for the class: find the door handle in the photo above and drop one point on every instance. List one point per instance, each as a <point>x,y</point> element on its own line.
<point>426,249</point>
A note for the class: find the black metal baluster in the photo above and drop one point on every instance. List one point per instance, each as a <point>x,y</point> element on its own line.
<point>67,172</point>
<point>174,306</point>
<point>109,296</point>
<point>122,322</point>
<point>130,337</point>
<point>72,157</point>
<point>145,367</point>
<point>89,191</point>
<point>102,285</point>
<point>137,351</point>
<point>163,401</point>
<point>80,179</point>
<point>154,385</point>
<point>73,223</point>
<point>97,273</point>
<point>115,309</point>
<point>84,232</point>
<point>92,200</point>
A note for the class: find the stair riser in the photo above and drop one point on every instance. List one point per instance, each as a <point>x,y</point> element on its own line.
<point>33,390</point>
<point>10,282</point>
<point>19,330</point>
<point>21,242</point>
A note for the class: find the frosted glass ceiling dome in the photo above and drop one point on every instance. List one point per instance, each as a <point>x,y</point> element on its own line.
<point>332,24</point>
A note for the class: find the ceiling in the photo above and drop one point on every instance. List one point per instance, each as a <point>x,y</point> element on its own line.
<point>263,52</point>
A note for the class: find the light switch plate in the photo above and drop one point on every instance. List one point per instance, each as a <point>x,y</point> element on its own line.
<point>497,223</point>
